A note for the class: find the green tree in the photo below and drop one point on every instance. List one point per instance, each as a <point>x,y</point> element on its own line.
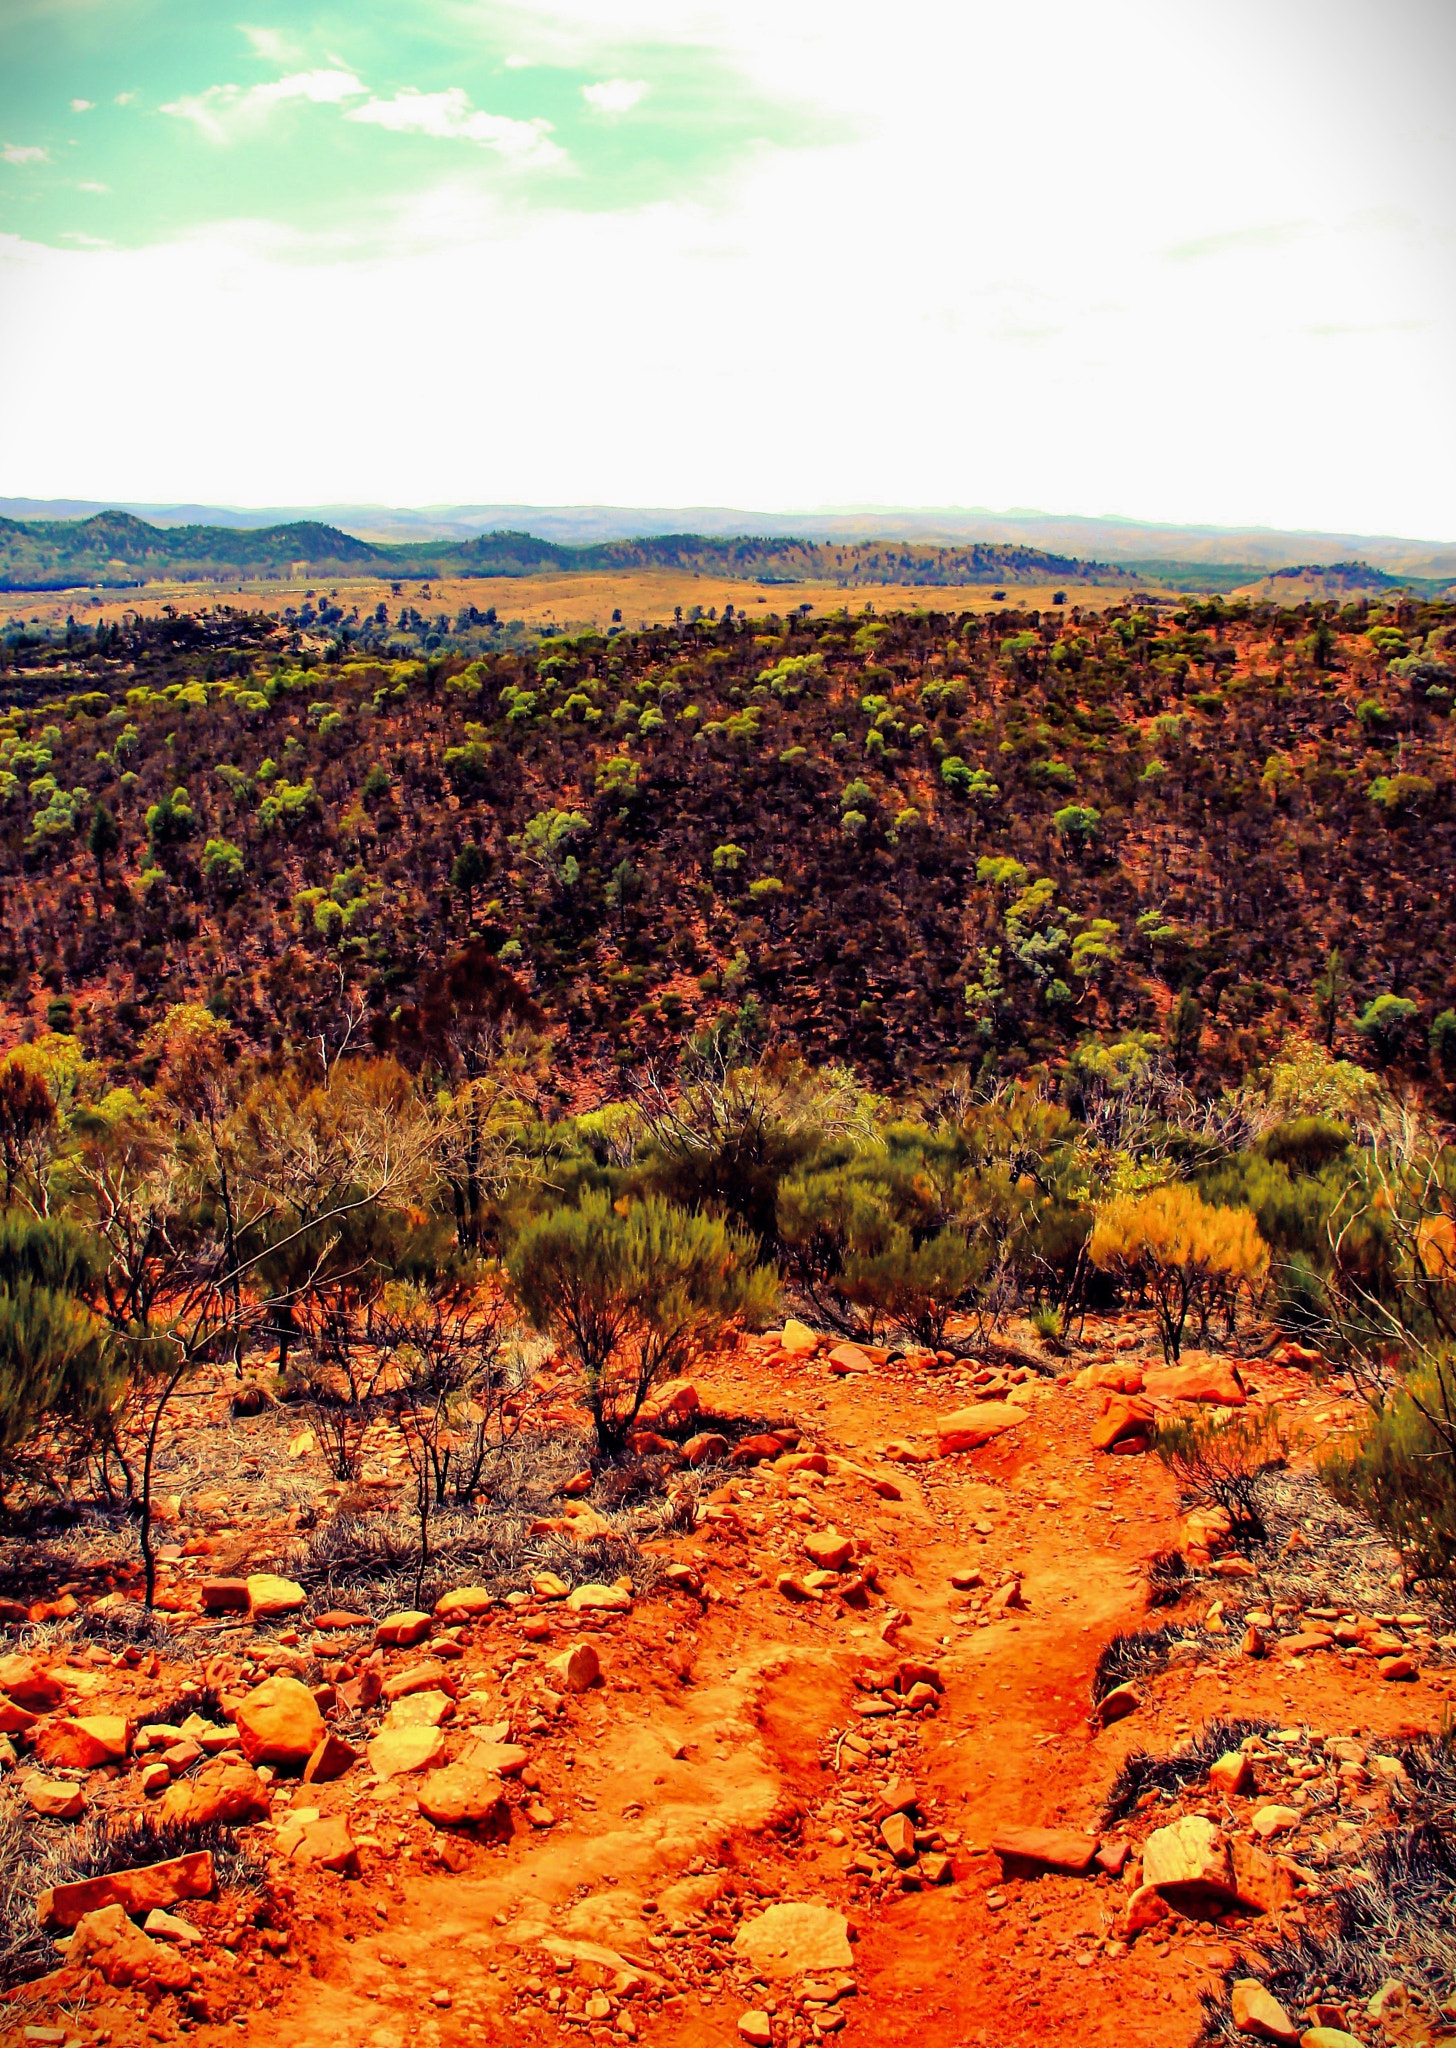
<point>1188,1255</point>
<point>1383,1021</point>
<point>469,871</point>
<point>635,1298</point>
<point>1329,993</point>
<point>102,841</point>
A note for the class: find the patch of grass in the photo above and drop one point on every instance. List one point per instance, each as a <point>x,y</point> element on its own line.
<point>1390,1918</point>
<point>1135,1654</point>
<point>1168,1578</point>
<point>37,1855</point>
<point>1142,1772</point>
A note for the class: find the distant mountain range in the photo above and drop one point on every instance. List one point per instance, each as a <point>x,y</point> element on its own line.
<point>1137,544</point>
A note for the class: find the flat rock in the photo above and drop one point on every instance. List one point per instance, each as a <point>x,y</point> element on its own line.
<point>1232,1772</point>
<point>673,1401</point>
<point>755,2027</point>
<point>53,1798</point>
<point>465,1795</point>
<point>599,1600</point>
<point>403,1629</point>
<point>270,1595</point>
<point>324,1841</point>
<point>279,1723</point>
<point>829,1550</point>
<point>1063,1849</point>
<point>1197,1378</point>
<point>402,1750</point>
<point>847,1358</point>
<point>501,1759</point>
<point>225,1596</point>
<point>135,1891</point>
<point>968,1428</point>
<point>423,1677</point>
<point>798,1339</point>
<point>330,1760</point>
<point>1274,1820</point>
<point>794,1940</point>
<point>26,1681</point>
<point>464,1603</point>
<point>420,1710</point>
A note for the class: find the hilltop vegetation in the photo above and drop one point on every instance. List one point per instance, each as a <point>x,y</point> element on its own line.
<point>115,551</point>
<point>908,840</point>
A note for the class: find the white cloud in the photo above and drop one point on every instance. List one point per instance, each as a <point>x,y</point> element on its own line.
<point>518,63</point>
<point>615,95</point>
<point>24,153</point>
<point>449,115</point>
<point>88,186</point>
<point>82,106</point>
<point>270,44</point>
<point>222,108</point>
<point>124,99</point>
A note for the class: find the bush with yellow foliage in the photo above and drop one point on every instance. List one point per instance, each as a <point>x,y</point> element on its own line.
<point>1189,1257</point>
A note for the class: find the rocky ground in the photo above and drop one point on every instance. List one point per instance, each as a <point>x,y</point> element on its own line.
<point>875,1733</point>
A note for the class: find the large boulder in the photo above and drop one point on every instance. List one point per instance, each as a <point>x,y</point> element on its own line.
<point>279,1723</point>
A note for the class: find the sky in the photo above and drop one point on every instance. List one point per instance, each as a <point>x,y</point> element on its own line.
<point>1171,259</point>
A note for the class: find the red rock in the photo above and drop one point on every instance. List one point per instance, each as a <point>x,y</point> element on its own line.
<point>1190,1864</point>
<point>340,1619</point>
<point>674,1401</point>
<point>84,1744</point>
<point>53,1798</point>
<point>1214,1380</point>
<point>327,1843</point>
<point>897,1832</point>
<point>225,1596</point>
<point>26,1681</point>
<point>105,1940</point>
<point>1257,2012</point>
<point>402,1630</point>
<point>577,1669</point>
<point>1113,1377</point>
<point>330,1760</point>
<point>464,1603</point>
<point>830,1551</point>
<point>1062,1849</point>
<point>753,1450</point>
<point>707,1448</point>
<point>1118,1704</point>
<point>428,1676</point>
<point>135,1891</point>
<point>1232,1772</point>
<point>226,1791</point>
<point>279,1723</point>
<point>466,1795</point>
<point>910,1673</point>
<point>1125,1420</point>
<point>968,1428</point>
<point>848,1358</point>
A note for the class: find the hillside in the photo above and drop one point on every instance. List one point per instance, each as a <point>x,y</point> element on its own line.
<point>918,839</point>
<point>117,551</point>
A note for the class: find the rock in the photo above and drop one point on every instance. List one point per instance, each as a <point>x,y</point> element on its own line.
<point>1007,1599</point>
<point>325,1842</point>
<point>420,1710</point>
<point>1398,1667</point>
<point>798,1340</point>
<point>1328,2037</point>
<point>577,1669</point>
<point>599,1600</point>
<point>423,1677</point>
<point>167,1927</point>
<point>340,1618</point>
<point>330,1759</point>
<point>1118,1704</point>
<point>225,1596</point>
<point>403,1629</point>
<point>968,1428</point>
<point>1256,2011</point>
<point>829,1550</point>
<point>674,1401</point>
<point>1274,1820</point>
<point>847,1358</point>
<point>14,1719</point>
<point>504,1759</point>
<point>135,1891</point>
<point>899,1796</point>
<point>1062,1849</point>
<point>806,1461</point>
<point>1389,2001</point>
<point>547,1586</point>
<point>540,1815</point>
<point>155,1778</point>
<point>1145,1908</point>
<point>1190,1864</point>
<point>53,1798</point>
<point>464,1603</point>
<point>226,1791</point>
<point>279,1723</point>
<point>1126,1422</point>
<point>1232,1772</point>
<point>920,1697</point>
<point>464,1795</point>
<point>401,1750</point>
<point>270,1595</point>
<point>1263,1882</point>
<point>936,1868</point>
<point>897,1832</point>
<point>913,1671</point>
<point>1198,1378</point>
<point>756,2028</point>
<point>794,1939</point>
<point>86,1744</point>
<point>1115,1376</point>
<point>756,1450</point>
<point>792,1588</point>
<point>105,1940</point>
<point>1254,1643</point>
<point>26,1681</point>
<point>1111,1857</point>
<point>707,1448</point>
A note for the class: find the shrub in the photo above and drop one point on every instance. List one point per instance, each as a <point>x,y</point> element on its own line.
<point>1401,1472</point>
<point>918,1287</point>
<point>1189,1256</point>
<point>1220,1461</point>
<point>635,1297</point>
<point>1383,1021</point>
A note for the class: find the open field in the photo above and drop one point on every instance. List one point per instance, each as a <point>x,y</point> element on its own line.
<point>571,601</point>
